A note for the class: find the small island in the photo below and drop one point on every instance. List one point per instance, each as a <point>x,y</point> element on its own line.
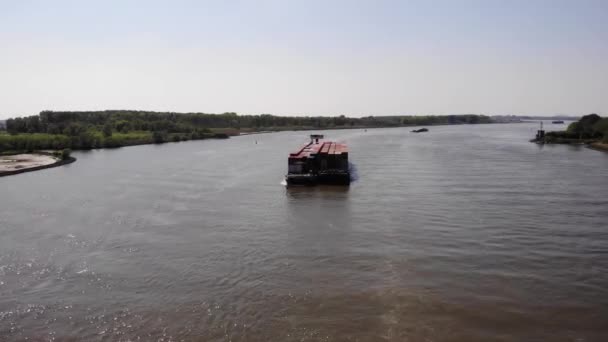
<point>590,130</point>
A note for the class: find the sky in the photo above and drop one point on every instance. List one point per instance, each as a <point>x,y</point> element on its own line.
<point>309,57</point>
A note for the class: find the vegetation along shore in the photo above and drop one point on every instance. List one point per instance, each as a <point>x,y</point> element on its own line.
<point>591,130</point>
<point>115,128</point>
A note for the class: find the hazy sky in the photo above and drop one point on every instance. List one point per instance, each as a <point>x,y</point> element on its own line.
<point>309,57</point>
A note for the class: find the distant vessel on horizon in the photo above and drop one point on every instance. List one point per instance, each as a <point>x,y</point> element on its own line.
<point>558,121</point>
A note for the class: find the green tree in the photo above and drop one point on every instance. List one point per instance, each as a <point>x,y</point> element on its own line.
<point>65,153</point>
<point>107,130</point>
<point>159,137</point>
<point>73,129</point>
<point>601,127</point>
<point>587,122</point>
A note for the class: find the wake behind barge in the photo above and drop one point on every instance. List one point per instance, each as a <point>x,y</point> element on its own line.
<point>319,163</point>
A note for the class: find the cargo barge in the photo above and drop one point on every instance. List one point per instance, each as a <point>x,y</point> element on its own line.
<point>319,162</point>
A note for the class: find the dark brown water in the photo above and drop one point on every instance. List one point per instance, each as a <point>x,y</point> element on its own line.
<point>465,233</point>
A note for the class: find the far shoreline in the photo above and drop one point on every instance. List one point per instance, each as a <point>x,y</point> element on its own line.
<point>321,129</point>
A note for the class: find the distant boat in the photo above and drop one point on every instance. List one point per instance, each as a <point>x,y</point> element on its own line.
<point>420,130</point>
<point>558,121</point>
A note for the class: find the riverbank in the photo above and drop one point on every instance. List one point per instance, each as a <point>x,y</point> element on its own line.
<point>20,163</point>
<point>599,146</point>
<point>27,142</point>
<point>590,130</point>
<point>592,144</point>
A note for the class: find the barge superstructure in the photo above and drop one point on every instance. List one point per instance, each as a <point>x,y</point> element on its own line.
<point>319,162</point>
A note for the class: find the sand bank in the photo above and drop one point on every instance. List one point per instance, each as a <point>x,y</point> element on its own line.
<point>19,163</point>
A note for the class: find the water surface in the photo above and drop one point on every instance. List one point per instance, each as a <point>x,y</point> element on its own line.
<point>465,233</point>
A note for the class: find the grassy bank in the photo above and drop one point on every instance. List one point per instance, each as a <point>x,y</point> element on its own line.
<point>28,142</point>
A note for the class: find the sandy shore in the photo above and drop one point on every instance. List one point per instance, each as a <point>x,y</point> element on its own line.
<point>599,146</point>
<point>24,161</point>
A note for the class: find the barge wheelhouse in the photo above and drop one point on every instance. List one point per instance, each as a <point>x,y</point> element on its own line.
<point>319,162</point>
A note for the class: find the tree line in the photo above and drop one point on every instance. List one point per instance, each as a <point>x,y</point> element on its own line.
<point>589,127</point>
<point>114,128</point>
<point>125,121</point>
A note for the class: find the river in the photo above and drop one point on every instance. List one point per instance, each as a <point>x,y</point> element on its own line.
<point>464,233</point>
